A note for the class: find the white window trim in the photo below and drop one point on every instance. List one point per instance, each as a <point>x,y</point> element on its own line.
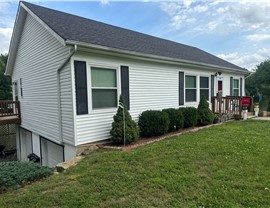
<point>193,75</point>
<point>209,80</point>
<point>89,87</point>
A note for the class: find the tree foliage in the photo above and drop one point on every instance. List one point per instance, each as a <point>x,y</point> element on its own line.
<point>206,116</point>
<point>131,129</point>
<point>258,84</point>
<point>5,81</point>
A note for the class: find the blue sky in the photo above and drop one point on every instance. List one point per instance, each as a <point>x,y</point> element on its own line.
<point>237,31</point>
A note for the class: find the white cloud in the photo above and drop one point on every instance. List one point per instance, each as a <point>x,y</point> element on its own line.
<point>231,16</point>
<point>248,61</point>
<point>200,8</point>
<point>104,2</point>
<point>258,37</point>
<point>5,36</point>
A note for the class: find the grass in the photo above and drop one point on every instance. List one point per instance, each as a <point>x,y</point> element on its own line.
<point>223,166</point>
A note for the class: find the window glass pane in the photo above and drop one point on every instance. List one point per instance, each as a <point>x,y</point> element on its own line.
<point>235,92</point>
<point>204,82</point>
<point>204,93</point>
<point>190,95</point>
<point>103,77</point>
<point>190,81</point>
<point>235,83</point>
<point>104,98</point>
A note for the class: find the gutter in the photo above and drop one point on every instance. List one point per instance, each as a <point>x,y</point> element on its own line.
<point>58,90</point>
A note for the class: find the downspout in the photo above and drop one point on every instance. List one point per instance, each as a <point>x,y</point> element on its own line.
<point>59,93</point>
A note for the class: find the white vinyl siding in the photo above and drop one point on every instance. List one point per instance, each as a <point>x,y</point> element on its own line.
<point>67,105</point>
<point>152,86</point>
<point>38,58</point>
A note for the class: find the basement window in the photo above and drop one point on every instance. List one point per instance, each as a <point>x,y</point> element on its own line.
<point>103,87</point>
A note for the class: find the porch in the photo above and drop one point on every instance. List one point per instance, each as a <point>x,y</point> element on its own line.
<point>10,112</point>
<point>231,107</point>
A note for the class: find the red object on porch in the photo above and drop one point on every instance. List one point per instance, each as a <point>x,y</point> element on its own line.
<point>246,101</point>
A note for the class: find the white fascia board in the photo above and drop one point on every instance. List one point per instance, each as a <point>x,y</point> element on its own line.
<point>163,59</point>
<point>60,39</point>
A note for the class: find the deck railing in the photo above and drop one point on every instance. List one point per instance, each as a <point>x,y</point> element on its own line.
<point>229,105</point>
<point>9,112</point>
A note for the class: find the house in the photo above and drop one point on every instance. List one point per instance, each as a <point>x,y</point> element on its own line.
<point>68,73</point>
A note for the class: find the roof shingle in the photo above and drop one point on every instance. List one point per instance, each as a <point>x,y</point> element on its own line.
<point>75,28</point>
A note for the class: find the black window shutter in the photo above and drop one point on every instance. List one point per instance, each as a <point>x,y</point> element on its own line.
<point>81,87</point>
<point>125,85</point>
<point>181,88</point>
<point>241,86</point>
<point>212,86</point>
<point>231,86</point>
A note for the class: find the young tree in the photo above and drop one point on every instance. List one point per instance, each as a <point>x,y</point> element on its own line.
<point>5,81</point>
<point>131,129</point>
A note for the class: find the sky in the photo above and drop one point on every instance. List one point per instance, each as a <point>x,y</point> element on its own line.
<point>237,31</point>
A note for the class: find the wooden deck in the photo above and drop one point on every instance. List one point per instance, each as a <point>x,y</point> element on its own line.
<point>10,112</point>
<point>230,106</point>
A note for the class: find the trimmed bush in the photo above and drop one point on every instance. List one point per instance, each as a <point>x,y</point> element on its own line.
<point>190,116</point>
<point>206,116</point>
<point>153,123</point>
<point>131,129</point>
<point>176,119</point>
<point>13,174</point>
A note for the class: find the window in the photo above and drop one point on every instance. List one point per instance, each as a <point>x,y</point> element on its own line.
<point>191,89</point>
<point>16,94</point>
<point>81,87</point>
<point>236,87</point>
<point>204,87</point>
<point>103,87</point>
<point>21,87</point>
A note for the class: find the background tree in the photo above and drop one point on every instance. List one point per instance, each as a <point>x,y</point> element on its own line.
<point>5,81</point>
<point>258,84</point>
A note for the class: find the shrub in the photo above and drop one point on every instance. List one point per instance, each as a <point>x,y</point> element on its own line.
<point>153,123</point>
<point>190,116</point>
<point>131,129</point>
<point>206,116</point>
<point>176,119</point>
<point>15,173</point>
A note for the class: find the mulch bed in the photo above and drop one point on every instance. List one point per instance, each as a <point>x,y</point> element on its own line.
<point>145,141</point>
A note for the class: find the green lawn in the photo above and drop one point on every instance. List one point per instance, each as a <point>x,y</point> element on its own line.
<point>222,166</point>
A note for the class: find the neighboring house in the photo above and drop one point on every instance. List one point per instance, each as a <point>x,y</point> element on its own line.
<point>68,73</point>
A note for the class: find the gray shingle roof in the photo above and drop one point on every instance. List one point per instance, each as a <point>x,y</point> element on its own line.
<point>75,28</point>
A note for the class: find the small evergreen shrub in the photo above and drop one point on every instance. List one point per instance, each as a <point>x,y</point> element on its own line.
<point>131,129</point>
<point>176,119</point>
<point>153,123</point>
<point>190,116</point>
<point>205,115</point>
<point>15,173</point>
